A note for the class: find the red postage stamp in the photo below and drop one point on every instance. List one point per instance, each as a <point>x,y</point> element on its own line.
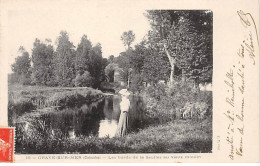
<point>6,144</point>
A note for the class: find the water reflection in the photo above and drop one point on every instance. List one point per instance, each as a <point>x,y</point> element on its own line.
<point>101,119</point>
<point>71,133</point>
<point>107,128</point>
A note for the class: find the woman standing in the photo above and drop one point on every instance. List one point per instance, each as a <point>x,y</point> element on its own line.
<point>123,119</point>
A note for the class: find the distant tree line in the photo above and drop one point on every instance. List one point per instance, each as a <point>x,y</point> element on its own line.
<point>179,45</point>
<point>63,66</point>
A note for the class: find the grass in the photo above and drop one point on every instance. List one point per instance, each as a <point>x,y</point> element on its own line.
<point>180,136</point>
<point>171,102</point>
<point>20,92</point>
<point>27,98</point>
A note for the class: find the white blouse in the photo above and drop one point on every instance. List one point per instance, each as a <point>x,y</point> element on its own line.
<point>124,104</point>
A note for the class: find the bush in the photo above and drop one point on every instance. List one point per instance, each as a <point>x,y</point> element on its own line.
<point>13,78</point>
<point>182,100</point>
<point>136,83</point>
<point>67,99</point>
<point>73,98</point>
<point>84,80</point>
<point>19,108</point>
<point>157,91</point>
<point>23,79</point>
<point>194,110</point>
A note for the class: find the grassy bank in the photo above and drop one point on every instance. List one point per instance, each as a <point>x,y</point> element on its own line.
<point>181,101</point>
<point>23,99</point>
<point>180,136</point>
<point>172,134</point>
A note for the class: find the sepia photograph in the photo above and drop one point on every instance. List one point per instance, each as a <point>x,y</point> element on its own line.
<point>111,81</point>
<point>82,84</point>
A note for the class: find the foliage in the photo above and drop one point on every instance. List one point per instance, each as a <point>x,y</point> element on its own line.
<point>182,99</point>
<point>95,65</point>
<point>21,68</point>
<point>124,64</point>
<point>61,67</point>
<point>155,68</point>
<point>111,59</point>
<point>13,78</point>
<point>84,80</point>
<point>43,67</point>
<point>186,42</point>
<point>22,64</point>
<point>137,57</point>
<point>180,136</point>
<point>136,85</point>
<point>178,44</point>
<point>89,59</point>
<point>24,79</point>
<point>128,38</point>
<point>19,108</point>
<point>82,55</point>
<point>22,99</point>
<point>109,72</point>
<point>64,60</point>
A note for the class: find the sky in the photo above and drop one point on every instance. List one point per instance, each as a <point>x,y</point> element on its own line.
<point>105,26</point>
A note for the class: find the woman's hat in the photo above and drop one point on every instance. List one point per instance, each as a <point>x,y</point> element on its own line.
<point>124,92</point>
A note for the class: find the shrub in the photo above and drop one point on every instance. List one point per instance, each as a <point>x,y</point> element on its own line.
<point>13,78</point>
<point>73,98</point>
<point>23,79</point>
<point>16,109</point>
<point>194,110</point>
<point>136,83</point>
<point>181,100</point>
<point>84,80</point>
<point>157,91</point>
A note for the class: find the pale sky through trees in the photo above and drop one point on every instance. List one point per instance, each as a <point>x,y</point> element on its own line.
<point>104,25</point>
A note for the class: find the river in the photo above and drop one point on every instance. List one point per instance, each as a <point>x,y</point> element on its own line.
<point>100,119</point>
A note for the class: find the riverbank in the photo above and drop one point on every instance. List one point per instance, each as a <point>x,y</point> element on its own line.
<point>180,136</point>
<point>165,134</point>
<point>22,99</point>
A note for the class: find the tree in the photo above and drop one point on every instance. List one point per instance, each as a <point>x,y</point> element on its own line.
<point>155,68</point>
<point>128,38</point>
<point>82,55</point>
<point>95,65</point>
<point>21,67</point>
<point>111,59</point>
<point>22,64</point>
<point>42,59</point>
<point>137,57</point>
<point>65,60</point>
<point>180,36</point>
<point>123,61</point>
<point>109,72</point>
<point>105,63</point>
<point>136,82</point>
<point>89,59</point>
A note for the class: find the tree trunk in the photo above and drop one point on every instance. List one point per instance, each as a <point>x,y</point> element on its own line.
<point>172,74</point>
<point>172,63</point>
<point>128,81</point>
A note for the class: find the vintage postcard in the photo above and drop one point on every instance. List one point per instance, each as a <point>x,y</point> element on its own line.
<point>129,81</point>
